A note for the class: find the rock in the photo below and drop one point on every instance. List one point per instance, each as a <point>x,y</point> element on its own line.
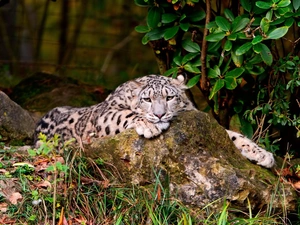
<point>15,123</point>
<point>42,92</point>
<point>199,160</point>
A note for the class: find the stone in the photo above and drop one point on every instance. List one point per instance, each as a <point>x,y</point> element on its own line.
<point>15,123</point>
<point>42,92</point>
<point>197,161</point>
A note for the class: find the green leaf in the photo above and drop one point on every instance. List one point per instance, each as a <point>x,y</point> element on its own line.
<point>171,71</point>
<point>227,45</point>
<point>196,16</point>
<point>217,86</point>
<point>190,68</point>
<point>258,11</point>
<point>214,73</point>
<point>282,11</point>
<point>242,36</point>
<point>257,48</point>
<point>266,109</point>
<point>289,22</point>
<point>193,81</point>
<point>168,18</point>
<point>264,24</point>
<point>184,26</point>
<point>145,39</point>
<point>238,107</point>
<point>153,35</point>
<point>235,73</point>
<point>211,25</point>
<point>264,5</point>
<point>142,29</point>
<point>246,5</point>
<point>246,128</point>
<point>257,39</point>
<point>266,54</point>
<point>223,23</point>
<point>177,60</point>
<point>229,15</point>
<point>296,4</point>
<point>189,57</point>
<point>153,17</point>
<point>284,3</point>
<point>256,70</point>
<point>235,123</point>
<point>230,83</point>
<point>232,37</point>
<point>269,15</point>
<point>213,47</point>
<point>255,60</point>
<point>190,46</point>
<point>215,37</point>
<point>32,152</point>
<point>183,16</point>
<point>239,24</point>
<point>238,60</point>
<point>32,217</point>
<point>243,49</point>
<point>278,32</point>
<point>277,21</point>
<point>171,32</point>
<point>216,104</point>
<point>50,168</point>
<point>141,3</point>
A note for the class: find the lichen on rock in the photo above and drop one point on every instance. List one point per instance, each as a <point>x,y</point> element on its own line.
<point>15,123</point>
<point>197,158</point>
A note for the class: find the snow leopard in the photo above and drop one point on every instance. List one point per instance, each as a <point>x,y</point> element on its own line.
<point>147,104</point>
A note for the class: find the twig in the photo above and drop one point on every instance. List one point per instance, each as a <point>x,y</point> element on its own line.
<point>78,26</point>
<point>203,81</point>
<point>116,48</point>
<point>41,30</point>
<point>298,102</point>
<point>54,196</point>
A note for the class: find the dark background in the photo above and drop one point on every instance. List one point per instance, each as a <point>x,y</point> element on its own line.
<point>92,41</point>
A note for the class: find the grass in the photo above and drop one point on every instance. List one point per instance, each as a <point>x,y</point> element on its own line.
<point>78,190</point>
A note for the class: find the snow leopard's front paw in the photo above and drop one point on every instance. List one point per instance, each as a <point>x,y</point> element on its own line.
<point>251,150</point>
<point>149,130</point>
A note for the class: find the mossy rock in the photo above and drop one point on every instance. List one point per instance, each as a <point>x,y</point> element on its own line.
<point>200,161</point>
<point>42,92</point>
<point>16,124</point>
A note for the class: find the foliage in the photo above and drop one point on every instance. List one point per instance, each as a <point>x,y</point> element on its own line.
<point>243,55</point>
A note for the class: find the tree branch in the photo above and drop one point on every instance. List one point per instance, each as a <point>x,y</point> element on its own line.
<point>204,82</point>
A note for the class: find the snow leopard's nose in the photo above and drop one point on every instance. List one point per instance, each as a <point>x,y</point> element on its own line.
<point>159,115</point>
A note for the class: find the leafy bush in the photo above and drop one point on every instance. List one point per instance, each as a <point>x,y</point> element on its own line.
<point>243,56</point>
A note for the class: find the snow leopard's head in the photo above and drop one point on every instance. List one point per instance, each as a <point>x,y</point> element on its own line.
<point>160,98</point>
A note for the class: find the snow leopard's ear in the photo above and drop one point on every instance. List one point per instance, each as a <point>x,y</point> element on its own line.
<point>180,80</point>
<point>136,87</point>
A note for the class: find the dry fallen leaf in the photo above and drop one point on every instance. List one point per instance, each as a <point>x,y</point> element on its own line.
<point>3,207</point>
<point>60,159</point>
<point>296,185</point>
<point>3,171</point>
<point>44,184</point>
<point>81,220</point>
<point>14,197</point>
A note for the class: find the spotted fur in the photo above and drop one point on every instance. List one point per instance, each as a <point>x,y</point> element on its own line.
<point>146,104</point>
<point>251,150</point>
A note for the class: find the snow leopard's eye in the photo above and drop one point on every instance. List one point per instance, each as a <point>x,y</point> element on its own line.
<point>169,98</point>
<point>147,99</point>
